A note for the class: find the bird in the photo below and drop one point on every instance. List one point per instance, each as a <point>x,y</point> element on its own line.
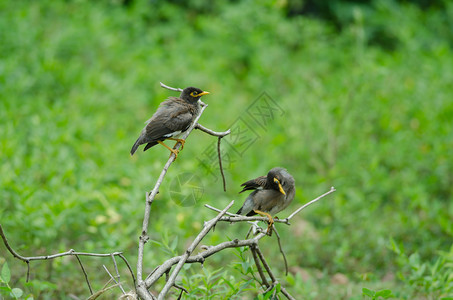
<point>271,194</point>
<point>173,117</point>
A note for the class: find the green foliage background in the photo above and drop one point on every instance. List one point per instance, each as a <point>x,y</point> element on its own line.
<point>367,108</point>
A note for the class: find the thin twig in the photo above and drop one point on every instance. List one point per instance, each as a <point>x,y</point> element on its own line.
<point>150,197</point>
<point>186,255</point>
<point>51,256</point>
<point>266,266</point>
<point>239,218</point>
<point>281,249</point>
<point>220,135</point>
<point>117,273</point>
<point>28,271</point>
<point>271,275</point>
<point>141,287</point>
<point>170,88</point>
<point>70,252</point>
<point>332,189</point>
<point>200,257</point>
<point>104,289</point>
<point>258,266</point>
<point>85,274</point>
<point>113,278</point>
<point>212,132</point>
<point>220,164</point>
<point>219,210</point>
<point>183,289</point>
<point>128,266</point>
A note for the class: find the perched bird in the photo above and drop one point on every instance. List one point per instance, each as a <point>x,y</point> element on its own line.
<point>271,194</point>
<point>172,118</point>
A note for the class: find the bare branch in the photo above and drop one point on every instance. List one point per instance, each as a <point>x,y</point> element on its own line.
<point>220,135</point>
<point>117,274</point>
<point>200,257</point>
<point>271,275</point>
<point>28,271</point>
<point>71,252</point>
<point>258,266</point>
<point>183,289</point>
<point>185,256</point>
<point>143,292</point>
<point>150,197</point>
<point>85,274</point>
<point>113,278</point>
<point>212,132</point>
<point>219,210</point>
<point>266,266</point>
<point>170,88</point>
<point>104,289</point>
<point>51,256</point>
<point>281,248</point>
<point>332,189</point>
<point>128,266</point>
<point>232,218</point>
<point>220,164</point>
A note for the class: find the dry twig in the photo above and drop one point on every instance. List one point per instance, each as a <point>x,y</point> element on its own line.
<point>140,286</point>
<point>220,135</point>
<point>71,252</point>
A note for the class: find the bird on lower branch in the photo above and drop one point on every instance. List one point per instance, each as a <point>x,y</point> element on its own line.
<point>173,117</point>
<point>271,194</point>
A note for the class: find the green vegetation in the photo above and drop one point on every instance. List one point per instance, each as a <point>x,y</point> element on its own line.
<point>367,108</point>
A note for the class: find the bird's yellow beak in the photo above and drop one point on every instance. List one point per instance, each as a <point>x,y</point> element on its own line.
<point>279,186</point>
<point>202,94</point>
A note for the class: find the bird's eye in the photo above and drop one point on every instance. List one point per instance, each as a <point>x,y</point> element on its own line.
<point>193,94</point>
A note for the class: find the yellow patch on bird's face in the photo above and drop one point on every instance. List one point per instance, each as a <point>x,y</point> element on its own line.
<point>195,94</point>
<point>279,186</point>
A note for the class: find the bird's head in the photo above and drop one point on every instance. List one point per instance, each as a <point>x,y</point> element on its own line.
<point>192,94</point>
<point>280,180</point>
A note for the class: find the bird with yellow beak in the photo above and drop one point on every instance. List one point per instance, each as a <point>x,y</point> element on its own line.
<point>173,117</point>
<point>271,194</point>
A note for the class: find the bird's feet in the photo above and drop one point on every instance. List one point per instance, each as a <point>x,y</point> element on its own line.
<point>270,222</point>
<point>173,151</point>
<point>182,141</point>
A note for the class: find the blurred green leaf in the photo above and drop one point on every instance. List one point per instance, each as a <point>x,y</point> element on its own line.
<point>384,294</point>
<point>17,292</point>
<point>368,292</point>
<point>6,273</point>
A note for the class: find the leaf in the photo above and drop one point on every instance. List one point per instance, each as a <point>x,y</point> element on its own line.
<point>17,292</point>
<point>6,274</point>
<point>174,244</point>
<point>384,294</point>
<point>278,287</point>
<point>368,292</point>
<point>5,288</point>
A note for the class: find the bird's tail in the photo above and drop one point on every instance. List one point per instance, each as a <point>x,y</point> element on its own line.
<point>239,211</point>
<point>135,147</point>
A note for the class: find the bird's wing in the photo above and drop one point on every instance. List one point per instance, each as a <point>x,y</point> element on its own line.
<point>168,119</point>
<point>180,120</point>
<point>254,184</point>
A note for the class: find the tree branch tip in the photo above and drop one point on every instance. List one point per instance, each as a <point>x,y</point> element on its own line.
<point>170,88</point>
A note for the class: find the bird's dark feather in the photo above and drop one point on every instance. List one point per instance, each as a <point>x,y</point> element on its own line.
<point>173,115</point>
<point>254,184</point>
<point>149,145</point>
